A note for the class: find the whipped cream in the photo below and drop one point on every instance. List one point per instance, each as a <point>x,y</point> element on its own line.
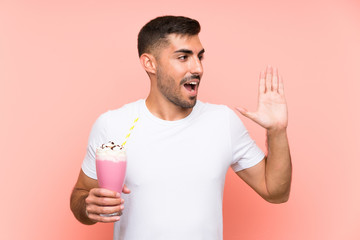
<point>111,152</point>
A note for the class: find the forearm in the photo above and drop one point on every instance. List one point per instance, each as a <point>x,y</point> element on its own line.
<point>78,206</point>
<point>278,166</point>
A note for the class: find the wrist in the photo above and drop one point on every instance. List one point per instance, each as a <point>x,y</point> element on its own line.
<point>276,131</point>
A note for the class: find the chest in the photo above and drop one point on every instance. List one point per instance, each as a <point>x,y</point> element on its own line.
<point>176,155</point>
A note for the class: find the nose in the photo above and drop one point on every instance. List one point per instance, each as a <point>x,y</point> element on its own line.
<point>196,66</point>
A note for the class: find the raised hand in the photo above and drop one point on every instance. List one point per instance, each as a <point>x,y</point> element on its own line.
<point>272,109</point>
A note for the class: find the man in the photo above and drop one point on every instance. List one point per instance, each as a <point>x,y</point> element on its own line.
<point>180,149</point>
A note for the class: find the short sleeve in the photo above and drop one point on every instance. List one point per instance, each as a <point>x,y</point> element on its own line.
<point>245,152</point>
<point>98,136</point>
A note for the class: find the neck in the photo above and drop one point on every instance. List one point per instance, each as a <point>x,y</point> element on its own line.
<point>164,109</point>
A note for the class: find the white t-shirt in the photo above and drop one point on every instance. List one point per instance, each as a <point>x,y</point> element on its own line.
<point>175,170</point>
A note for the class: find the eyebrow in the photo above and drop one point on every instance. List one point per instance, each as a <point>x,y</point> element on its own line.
<point>187,51</point>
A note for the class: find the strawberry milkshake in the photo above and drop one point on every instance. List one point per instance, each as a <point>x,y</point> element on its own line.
<point>111,166</point>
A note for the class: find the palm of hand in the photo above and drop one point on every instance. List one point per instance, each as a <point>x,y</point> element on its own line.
<point>272,108</point>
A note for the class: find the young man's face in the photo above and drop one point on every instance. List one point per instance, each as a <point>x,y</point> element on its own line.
<point>179,69</point>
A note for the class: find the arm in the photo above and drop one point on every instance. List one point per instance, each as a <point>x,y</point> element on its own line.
<point>87,201</point>
<point>271,178</point>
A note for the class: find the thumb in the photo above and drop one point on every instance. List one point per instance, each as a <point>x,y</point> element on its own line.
<point>245,112</point>
<point>125,189</point>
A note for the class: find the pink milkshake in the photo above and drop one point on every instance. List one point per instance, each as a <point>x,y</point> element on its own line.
<point>111,166</point>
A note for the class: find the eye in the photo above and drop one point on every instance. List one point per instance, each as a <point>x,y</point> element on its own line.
<point>201,57</point>
<point>183,57</point>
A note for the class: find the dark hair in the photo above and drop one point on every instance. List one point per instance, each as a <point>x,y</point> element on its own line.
<point>155,32</point>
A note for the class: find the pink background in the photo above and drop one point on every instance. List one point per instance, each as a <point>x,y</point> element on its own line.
<point>62,63</point>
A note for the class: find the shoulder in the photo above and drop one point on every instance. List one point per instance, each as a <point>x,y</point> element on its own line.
<point>120,115</point>
<point>220,113</point>
<point>215,114</point>
<point>125,110</point>
<point>220,109</point>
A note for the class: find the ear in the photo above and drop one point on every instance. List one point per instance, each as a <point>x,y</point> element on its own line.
<point>148,62</point>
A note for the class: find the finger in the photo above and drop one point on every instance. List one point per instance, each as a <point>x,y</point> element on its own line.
<point>98,218</point>
<point>126,189</point>
<point>94,209</point>
<point>262,83</point>
<point>245,112</point>
<point>275,83</point>
<point>103,201</point>
<point>268,78</point>
<point>281,86</point>
<point>102,192</point>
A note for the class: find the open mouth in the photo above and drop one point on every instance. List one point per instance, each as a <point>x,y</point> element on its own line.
<point>191,86</point>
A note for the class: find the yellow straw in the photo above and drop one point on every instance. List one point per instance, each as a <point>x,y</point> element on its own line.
<point>130,130</point>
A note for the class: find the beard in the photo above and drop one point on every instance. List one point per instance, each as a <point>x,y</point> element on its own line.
<point>169,89</point>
